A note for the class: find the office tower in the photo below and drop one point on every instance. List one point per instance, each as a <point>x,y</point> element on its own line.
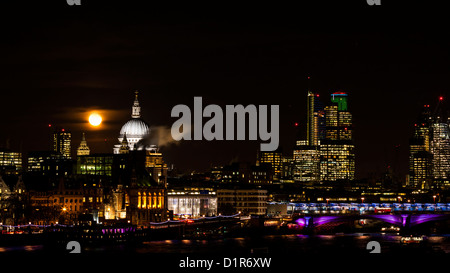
<point>306,159</point>
<point>62,140</point>
<point>287,169</point>
<point>420,157</point>
<point>338,120</point>
<point>274,159</point>
<point>429,159</point>
<point>49,163</point>
<point>10,162</point>
<point>83,149</point>
<point>337,160</point>
<point>337,155</point>
<point>440,146</point>
<point>315,119</point>
<point>440,149</point>
<point>95,164</point>
<point>306,152</point>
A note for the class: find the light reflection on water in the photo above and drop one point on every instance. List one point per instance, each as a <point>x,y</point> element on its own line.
<point>297,243</point>
<point>27,248</point>
<point>291,244</point>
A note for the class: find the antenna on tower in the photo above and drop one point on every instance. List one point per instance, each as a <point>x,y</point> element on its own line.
<point>438,108</point>
<point>309,83</point>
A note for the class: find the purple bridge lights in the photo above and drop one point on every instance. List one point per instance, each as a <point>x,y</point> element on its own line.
<point>310,222</point>
<point>409,220</point>
<point>402,220</point>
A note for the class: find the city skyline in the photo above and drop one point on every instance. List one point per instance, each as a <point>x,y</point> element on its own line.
<point>213,135</point>
<point>54,130</point>
<point>170,58</point>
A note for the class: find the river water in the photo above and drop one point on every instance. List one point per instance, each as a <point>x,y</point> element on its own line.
<point>270,244</point>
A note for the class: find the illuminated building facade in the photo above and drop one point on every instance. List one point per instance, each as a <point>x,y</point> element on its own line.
<point>274,159</point>
<point>420,156</point>
<point>306,159</point>
<point>145,203</point>
<point>440,149</point>
<point>337,155</point>
<point>95,164</point>
<point>156,167</point>
<point>10,162</point>
<point>338,119</point>
<point>83,149</point>
<point>62,142</point>
<point>192,202</point>
<point>337,160</point>
<point>429,160</point>
<point>306,154</point>
<point>134,130</point>
<point>440,146</point>
<point>315,119</point>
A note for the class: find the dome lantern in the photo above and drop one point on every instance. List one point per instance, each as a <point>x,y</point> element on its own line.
<point>136,109</point>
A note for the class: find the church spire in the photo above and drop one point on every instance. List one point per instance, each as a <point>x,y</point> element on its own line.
<point>136,109</point>
<point>83,149</point>
<point>124,149</point>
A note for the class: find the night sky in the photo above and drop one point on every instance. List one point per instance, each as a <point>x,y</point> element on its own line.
<point>59,62</point>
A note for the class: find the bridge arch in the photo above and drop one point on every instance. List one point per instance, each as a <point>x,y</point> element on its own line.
<point>402,220</point>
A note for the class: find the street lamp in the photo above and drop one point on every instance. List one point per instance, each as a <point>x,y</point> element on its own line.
<point>362,199</point>
<point>434,198</point>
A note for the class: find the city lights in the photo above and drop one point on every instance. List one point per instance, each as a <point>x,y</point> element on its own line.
<point>176,134</point>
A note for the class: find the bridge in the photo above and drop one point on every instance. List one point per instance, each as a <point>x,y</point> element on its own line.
<point>338,208</point>
<point>401,220</point>
<point>310,216</point>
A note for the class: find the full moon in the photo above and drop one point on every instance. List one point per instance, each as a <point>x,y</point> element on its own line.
<point>95,119</point>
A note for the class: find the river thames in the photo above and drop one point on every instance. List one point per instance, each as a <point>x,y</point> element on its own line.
<point>298,244</point>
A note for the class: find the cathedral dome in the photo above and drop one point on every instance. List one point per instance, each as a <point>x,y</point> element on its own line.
<point>134,128</point>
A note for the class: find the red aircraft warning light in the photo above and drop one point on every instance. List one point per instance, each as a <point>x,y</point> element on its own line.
<point>441,98</point>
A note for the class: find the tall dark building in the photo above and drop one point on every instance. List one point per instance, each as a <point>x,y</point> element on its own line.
<point>327,154</point>
<point>420,157</point>
<point>49,163</point>
<point>274,159</point>
<point>62,142</point>
<point>315,119</point>
<point>306,153</point>
<point>429,159</point>
<point>440,146</point>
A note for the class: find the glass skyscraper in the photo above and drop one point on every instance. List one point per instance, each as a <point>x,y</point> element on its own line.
<point>62,142</point>
<point>306,152</point>
<point>337,155</point>
<point>328,152</point>
<point>429,157</point>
